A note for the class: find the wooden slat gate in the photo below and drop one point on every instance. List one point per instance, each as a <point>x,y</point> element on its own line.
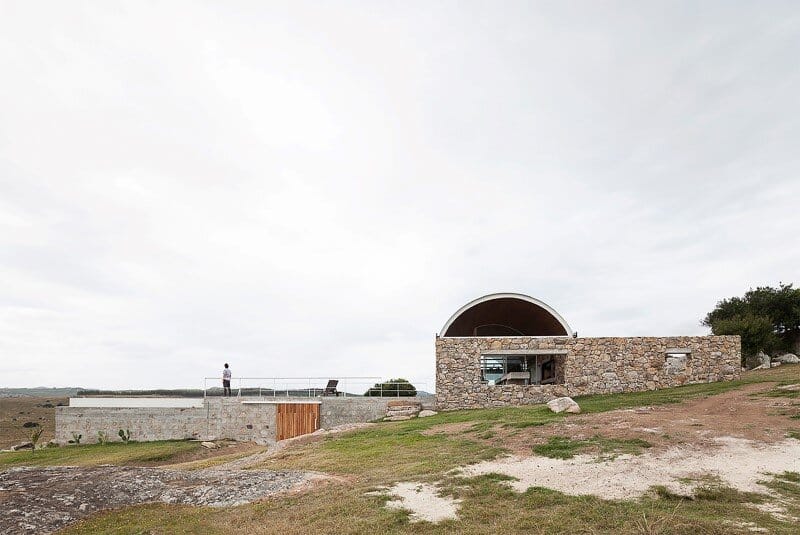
<point>294,419</point>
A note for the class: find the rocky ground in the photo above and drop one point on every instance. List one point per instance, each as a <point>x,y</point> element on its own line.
<point>43,500</point>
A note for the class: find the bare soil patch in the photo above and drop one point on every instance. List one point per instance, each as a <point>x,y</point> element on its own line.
<point>422,500</point>
<point>16,411</point>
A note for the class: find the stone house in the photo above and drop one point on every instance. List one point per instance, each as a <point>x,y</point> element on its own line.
<point>512,349</point>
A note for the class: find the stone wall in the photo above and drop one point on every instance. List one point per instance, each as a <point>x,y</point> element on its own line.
<point>590,366</point>
<point>218,418</point>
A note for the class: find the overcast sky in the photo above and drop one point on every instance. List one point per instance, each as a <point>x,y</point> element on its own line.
<point>314,188</point>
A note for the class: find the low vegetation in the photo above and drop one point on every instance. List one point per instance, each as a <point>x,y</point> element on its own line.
<point>96,454</point>
<point>605,448</point>
<point>378,456</point>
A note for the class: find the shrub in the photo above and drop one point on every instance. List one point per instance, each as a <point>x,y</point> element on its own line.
<point>125,435</point>
<point>36,434</point>
<point>76,438</point>
<point>102,437</point>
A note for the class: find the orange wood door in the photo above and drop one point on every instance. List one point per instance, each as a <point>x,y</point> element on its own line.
<point>294,419</point>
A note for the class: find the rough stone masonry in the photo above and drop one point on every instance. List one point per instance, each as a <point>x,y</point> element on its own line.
<point>583,366</point>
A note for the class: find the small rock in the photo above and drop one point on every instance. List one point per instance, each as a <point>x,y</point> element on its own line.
<point>774,364</point>
<point>209,445</point>
<point>23,446</point>
<point>83,506</point>
<point>564,405</point>
<point>396,418</point>
<point>426,413</point>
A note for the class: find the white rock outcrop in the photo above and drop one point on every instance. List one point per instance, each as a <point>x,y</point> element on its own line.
<point>788,358</point>
<point>564,405</point>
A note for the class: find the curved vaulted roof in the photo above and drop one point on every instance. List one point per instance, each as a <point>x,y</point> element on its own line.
<point>506,314</point>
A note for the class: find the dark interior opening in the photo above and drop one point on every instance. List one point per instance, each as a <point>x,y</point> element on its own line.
<point>506,316</point>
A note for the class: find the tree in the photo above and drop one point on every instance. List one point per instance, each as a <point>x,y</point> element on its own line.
<point>767,319</point>
<point>392,387</point>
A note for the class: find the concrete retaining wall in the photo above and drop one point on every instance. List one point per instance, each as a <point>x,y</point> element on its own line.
<point>590,366</point>
<point>338,411</point>
<point>218,418</point>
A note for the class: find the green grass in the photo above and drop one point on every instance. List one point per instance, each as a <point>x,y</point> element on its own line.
<point>385,453</point>
<point>782,393</point>
<point>793,477</point>
<point>566,448</point>
<point>96,454</point>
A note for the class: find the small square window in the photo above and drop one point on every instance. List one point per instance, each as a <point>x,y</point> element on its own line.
<point>677,359</point>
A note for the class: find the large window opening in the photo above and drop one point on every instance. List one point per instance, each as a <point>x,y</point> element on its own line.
<point>521,369</point>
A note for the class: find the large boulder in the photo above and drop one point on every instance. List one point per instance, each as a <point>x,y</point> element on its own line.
<point>427,412</point>
<point>403,408</point>
<point>564,405</point>
<point>763,361</point>
<point>788,358</point>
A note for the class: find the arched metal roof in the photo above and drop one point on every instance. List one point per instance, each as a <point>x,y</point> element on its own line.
<point>514,312</point>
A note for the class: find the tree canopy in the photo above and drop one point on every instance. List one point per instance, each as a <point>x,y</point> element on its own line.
<point>767,319</point>
<point>392,387</point>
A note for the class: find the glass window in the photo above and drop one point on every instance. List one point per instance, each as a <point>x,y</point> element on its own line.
<point>492,368</point>
<point>518,369</point>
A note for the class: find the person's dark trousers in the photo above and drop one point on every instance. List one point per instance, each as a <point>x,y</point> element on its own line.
<point>226,388</point>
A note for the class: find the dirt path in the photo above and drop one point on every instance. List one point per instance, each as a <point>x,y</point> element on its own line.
<point>43,500</point>
<point>740,413</point>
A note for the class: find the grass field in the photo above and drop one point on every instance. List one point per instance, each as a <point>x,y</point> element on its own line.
<point>413,450</point>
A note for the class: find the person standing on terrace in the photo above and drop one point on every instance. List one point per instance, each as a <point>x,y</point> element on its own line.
<point>226,380</point>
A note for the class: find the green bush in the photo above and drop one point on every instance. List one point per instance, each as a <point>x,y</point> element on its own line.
<point>391,388</point>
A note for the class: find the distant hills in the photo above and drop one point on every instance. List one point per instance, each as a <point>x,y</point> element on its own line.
<point>44,392</point>
<point>39,392</point>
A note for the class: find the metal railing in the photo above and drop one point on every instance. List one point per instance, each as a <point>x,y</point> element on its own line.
<point>310,387</point>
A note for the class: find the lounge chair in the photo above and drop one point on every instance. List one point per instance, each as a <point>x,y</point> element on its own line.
<point>330,389</point>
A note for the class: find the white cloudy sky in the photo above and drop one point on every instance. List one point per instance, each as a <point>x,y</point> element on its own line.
<point>313,188</point>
